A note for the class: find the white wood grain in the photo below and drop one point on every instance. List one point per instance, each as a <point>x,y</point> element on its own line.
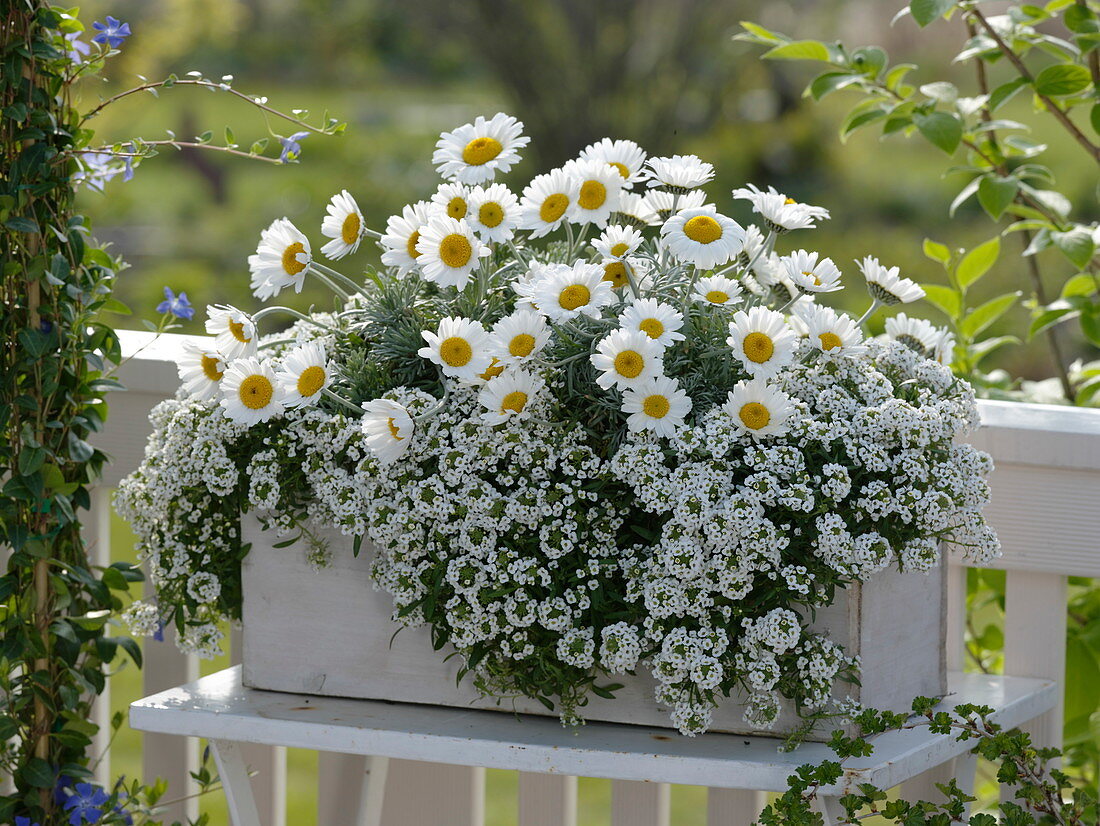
<point>547,800</point>
<point>734,807</point>
<point>635,803</point>
<point>234,776</point>
<point>341,779</point>
<point>433,794</point>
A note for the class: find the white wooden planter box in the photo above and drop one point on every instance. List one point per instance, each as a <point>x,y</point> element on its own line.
<point>329,632</point>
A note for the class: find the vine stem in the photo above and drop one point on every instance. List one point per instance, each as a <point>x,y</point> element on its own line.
<point>107,150</point>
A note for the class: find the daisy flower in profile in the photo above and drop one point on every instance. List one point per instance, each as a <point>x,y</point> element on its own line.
<point>344,225</point>
<point>830,332</point>
<point>402,236</point>
<point>617,241</point>
<point>680,173</point>
<point>460,347</point>
<point>759,409</point>
<point>810,275</point>
<point>453,200</point>
<point>780,213</point>
<point>201,370</point>
<point>448,251</point>
<point>562,292</point>
<point>665,203</point>
<point>617,272</point>
<point>280,260</point>
<point>546,202</point>
<point>716,289</point>
<point>656,404</point>
<point>474,152</point>
<point>388,428</point>
<point>626,157</point>
<point>761,341</point>
<point>598,192</point>
<point>303,374</point>
<point>626,358</point>
<point>753,249</point>
<point>886,286</point>
<point>519,337</point>
<point>658,321</point>
<point>703,237</point>
<point>945,347</point>
<point>509,396</point>
<point>915,333</point>
<point>233,330</point>
<point>635,211</point>
<point>250,392</point>
<point>493,213</point>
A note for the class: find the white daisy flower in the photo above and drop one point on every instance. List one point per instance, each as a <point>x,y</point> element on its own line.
<point>474,152</point>
<point>303,374</point>
<point>343,224</point>
<point>679,173</point>
<point>617,241</point>
<point>626,157</point>
<point>449,251</point>
<point>915,333</point>
<point>617,273</point>
<point>761,341</point>
<point>201,370</point>
<point>494,213</point>
<point>703,237</point>
<point>634,210</point>
<point>388,428</point>
<point>657,405</point>
<point>658,321</point>
<point>233,330</point>
<point>250,393</point>
<point>519,337</point>
<point>665,203</point>
<point>562,292</point>
<point>779,212</point>
<point>759,409</point>
<point>452,200</point>
<point>753,248</point>
<point>626,358</point>
<point>945,347</point>
<point>810,275</point>
<point>716,289</point>
<point>886,286</point>
<point>460,347</point>
<point>402,236</point>
<point>547,201</point>
<point>495,368</point>
<point>600,186</point>
<point>832,333</point>
<point>280,260</point>
<point>509,396</point>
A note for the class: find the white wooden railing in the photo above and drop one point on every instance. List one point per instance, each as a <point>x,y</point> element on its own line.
<point>1045,507</point>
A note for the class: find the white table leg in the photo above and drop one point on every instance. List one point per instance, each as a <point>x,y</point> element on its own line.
<point>373,792</point>
<point>235,783</point>
<point>734,807</point>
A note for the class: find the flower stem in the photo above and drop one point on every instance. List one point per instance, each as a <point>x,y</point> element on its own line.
<point>328,394</point>
<point>875,304</point>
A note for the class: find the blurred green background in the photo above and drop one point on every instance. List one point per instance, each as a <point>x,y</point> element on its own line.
<point>663,72</point>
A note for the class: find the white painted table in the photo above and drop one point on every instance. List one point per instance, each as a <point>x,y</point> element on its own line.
<point>221,710</point>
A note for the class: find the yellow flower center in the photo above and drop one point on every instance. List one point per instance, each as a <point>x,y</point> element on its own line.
<point>717,297</point>
<point>481,150</point>
<point>758,347</point>
<point>593,195</point>
<point>311,380</point>
<point>574,296</point>
<point>349,230</point>
<point>256,392</point>
<point>456,208</point>
<point>455,250</point>
<point>619,249</point>
<point>621,167</point>
<point>522,345</point>
<point>393,429</point>
<point>830,341</point>
<point>754,415</point>
<point>210,368</point>
<point>456,351</point>
<point>490,214</point>
<point>514,401</point>
<point>290,258</point>
<point>553,207</point>
<point>702,229</point>
<point>629,364</point>
<point>615,272</point>
<point>656,406</point>
<point>789,201</point>
<point>410,247</point>
<point>652,327</point>
<point>494,369</point>
<point>236,329</point>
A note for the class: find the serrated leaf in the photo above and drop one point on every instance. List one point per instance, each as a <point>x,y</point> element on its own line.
<point>984,315</point>
<point>925,11</point>
<point>996,193</point>
<point>944,298</point>
<point>799,50</point>
<point>1076,245</point>
<point>941,129</point>
<point>1062,79</point>
<point>977,262</point>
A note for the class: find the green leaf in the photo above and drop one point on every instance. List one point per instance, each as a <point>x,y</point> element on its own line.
<point>995,193</point>
<point>941,90</point>
<point>859,118</point>
<point>937,251</point>
<point>982,316</point>
<point>1076,245</point>
<point>830,82</point>
<point>1090,325</point>
<point>870,60</point>
<point>21,224</point>
<point>981,349</point>
<point>944,298</point>
<point>1005,92</point>
<point>799,50</point>
<point>977,262</point>
<point>925,11</point>
<point>1062,79</point>
<point>942,129</point>
<point>1055,313</point>
<point>761,33</point>
<point>38,773</point>
<point>1081,284</point>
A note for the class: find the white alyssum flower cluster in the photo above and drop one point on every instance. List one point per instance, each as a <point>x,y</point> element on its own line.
<point>642,445</point>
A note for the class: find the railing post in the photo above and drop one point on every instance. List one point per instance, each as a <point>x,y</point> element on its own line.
<point>547,800</point>
<point>97,539</point>
<point>637,803</point>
